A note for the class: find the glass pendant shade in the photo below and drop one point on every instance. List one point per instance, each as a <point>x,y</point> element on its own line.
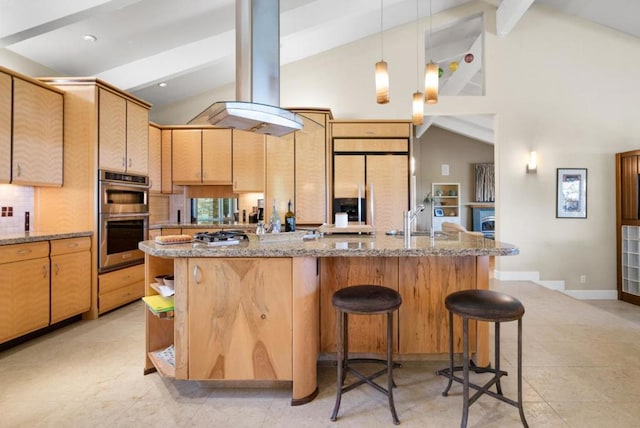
<point>382,82</point>
<point>418,108</point>
<point>431,83</point>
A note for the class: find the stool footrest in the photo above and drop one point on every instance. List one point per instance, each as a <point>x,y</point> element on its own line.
<point>484,389</point>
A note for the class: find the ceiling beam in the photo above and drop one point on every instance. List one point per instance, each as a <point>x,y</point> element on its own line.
<point>509,13</point>
<point>171,63</point>
<point>32,18</point>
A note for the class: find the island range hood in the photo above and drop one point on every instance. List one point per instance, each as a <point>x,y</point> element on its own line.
<point>257,76</point>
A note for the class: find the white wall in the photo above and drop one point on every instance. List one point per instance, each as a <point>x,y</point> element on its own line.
<point>560,85</point>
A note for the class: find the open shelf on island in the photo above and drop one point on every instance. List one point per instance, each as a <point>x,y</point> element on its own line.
<point>164,361</point>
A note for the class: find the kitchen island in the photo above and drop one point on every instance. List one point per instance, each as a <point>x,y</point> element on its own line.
<point>262,312</point>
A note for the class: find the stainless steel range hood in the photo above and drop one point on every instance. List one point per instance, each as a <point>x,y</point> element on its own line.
<point>257,75</point>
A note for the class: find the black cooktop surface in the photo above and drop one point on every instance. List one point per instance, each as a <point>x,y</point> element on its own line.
<point>222,236</point>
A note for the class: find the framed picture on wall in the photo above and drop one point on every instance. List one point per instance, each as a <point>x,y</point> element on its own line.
<point>438,212</point>
<point>571,193</point>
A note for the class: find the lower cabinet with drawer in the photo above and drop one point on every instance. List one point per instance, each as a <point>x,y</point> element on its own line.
<point>70,277</point>
<point>24,289</point>
<point>120,287</point>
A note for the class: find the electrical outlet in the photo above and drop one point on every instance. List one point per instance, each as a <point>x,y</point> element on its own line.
<point>583,279</point>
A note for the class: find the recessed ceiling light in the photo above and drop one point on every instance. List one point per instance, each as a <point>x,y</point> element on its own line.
<point>89,38</point>
<point>162,84</point>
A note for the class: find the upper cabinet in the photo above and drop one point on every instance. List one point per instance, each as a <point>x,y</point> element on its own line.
<point>248,161</point>
<point>37,134</point>
<point>371,160</point>
<point>123,134</point>
<point>155,159</point>
<point>201,156</point>
<point>5,128</point>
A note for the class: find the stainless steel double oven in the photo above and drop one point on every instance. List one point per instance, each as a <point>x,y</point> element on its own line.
<point>124,219</point>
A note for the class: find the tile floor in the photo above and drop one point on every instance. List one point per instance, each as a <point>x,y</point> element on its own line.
<point>580,370</point>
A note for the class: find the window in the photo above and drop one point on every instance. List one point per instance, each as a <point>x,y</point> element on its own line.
<point>213,210</point>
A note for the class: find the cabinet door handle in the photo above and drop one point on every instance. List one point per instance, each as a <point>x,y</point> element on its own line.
<point>196,276</point>
<point>124,162</point>
<point>72,245</point>
<point>57,268</point>
<point>24,251</point>
<point>19,170</point>
<point>44,271</point>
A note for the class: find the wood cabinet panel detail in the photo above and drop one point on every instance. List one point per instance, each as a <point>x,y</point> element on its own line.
<point>424,283</point>
<point>366,332</point>
<point>37,150</point>
<point>348,174</point>
<point>311,170</point>
<point>155,159</point>
<point>389,177</point>
<point>70,284</point>
<point>24,293</point>
<point>240,319</point>
<point>371,145</point>
<point>112,130</point>
<point>167,161</point>
<point>137,150</point>
<point>6,101</point>
<point>371,129</point>
<point>216,156</point>
<point>248,162</point>
<point>629,187</point>
<point>280,175</point>
<point>187,156</point>
<point>119,287</point>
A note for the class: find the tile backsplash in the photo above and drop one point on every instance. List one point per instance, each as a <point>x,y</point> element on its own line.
<point>15,201</point>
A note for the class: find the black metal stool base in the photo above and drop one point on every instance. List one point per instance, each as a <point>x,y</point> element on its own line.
<point>489,306</point>
<point>364,299</point>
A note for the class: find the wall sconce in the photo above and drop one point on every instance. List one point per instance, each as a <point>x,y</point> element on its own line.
<point>532,165</point>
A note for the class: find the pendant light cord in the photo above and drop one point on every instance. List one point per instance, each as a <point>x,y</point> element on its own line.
<point>430,34</point>
<point>381,31</point>
<point>418,44</point>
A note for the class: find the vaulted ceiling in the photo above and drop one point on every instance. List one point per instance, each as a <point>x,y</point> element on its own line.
<point>190,44</point>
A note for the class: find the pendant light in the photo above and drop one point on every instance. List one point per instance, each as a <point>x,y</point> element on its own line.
<point>417,117</point>
<point>431,74</point>
<point>382,70</point>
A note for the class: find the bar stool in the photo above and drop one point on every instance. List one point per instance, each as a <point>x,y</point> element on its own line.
<point>490,306</point>
<point>364,300</point>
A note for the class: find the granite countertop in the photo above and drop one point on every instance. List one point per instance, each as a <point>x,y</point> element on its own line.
<point>24,237</point>
<point>380,245</point>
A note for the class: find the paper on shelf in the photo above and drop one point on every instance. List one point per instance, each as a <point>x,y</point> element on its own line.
<point>163,289</point>
<point>158,303</point>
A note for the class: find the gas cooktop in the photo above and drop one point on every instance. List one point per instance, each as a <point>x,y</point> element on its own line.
<point>224,237</point>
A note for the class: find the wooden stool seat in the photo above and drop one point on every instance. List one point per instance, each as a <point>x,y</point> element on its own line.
<point>364,300</point>
<point>489,306</point>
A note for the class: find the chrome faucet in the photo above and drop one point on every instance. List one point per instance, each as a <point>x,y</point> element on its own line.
<point>408,218</point>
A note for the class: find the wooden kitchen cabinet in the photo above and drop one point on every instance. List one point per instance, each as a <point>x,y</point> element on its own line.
<point>216,156</point>
<point>349,173</point>
<point>24,289</point>
<point>37,134</point>
<point>311,172</point>
<point>120,287</point>
<point>201,156</point>
<point>279,181</point>
<point>375,156</point>
<point>6,101</point>
<point>123,137</point>
<point>70,277</point>
<point>155,159</point>
<point>240,323</point>
<point>186,155</point>
<point>249,152</point>
<point>364,330</point>
<point>628,169</point>
<point>423,317</point>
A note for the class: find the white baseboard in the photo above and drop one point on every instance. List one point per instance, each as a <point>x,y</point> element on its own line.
<point>556,285</point>
<point>592,294</point>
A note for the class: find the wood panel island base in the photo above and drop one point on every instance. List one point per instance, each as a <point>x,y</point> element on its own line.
<point>261,312</point>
